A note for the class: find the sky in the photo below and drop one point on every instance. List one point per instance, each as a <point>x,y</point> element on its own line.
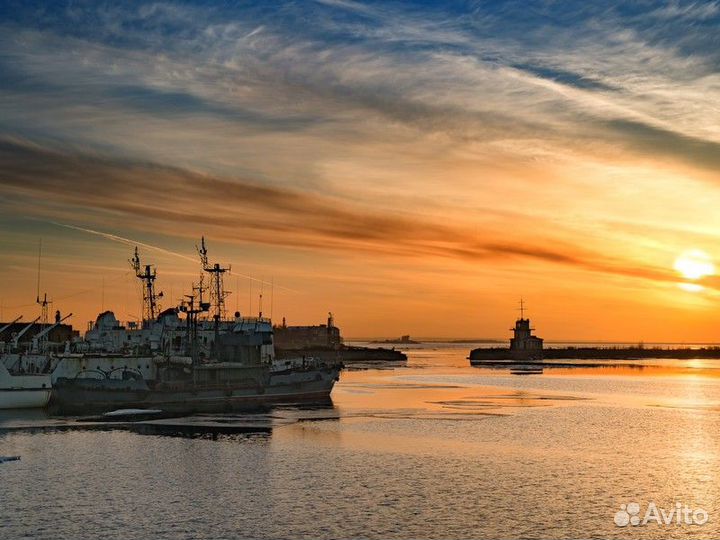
<point>414,168</point>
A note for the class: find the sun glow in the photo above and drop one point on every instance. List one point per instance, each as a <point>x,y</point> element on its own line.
<point>691,287</point>
<point>692,265</point>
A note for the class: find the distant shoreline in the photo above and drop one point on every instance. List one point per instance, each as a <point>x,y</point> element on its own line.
<point>637,343</point>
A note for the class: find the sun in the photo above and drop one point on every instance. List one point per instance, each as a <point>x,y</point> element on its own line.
<point>694,264</point>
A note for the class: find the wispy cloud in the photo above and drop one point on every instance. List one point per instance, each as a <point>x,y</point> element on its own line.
<point>174,200</point>
<point>452,75</point>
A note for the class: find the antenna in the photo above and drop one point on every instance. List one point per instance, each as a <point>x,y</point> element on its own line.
<point>262,283</point>
<point>217,287</point>
<point>191,310</point>
<point>37,297</point>
<point>201,288</point>
<point>272,294</point>
<point>147,275</point>
<point>44,302</point>
<point>43,309</point>
<point>522,308</point>
<point>202,251</point>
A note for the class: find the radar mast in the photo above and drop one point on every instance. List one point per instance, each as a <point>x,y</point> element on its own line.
<point>147,274</point>
<point>217,286</point>
<point>43,302</point>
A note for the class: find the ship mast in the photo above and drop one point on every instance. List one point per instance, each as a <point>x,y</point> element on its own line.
<point>192,309</point>
<point>43,302</point>
<point>147,274</point>
<point>217,287</point>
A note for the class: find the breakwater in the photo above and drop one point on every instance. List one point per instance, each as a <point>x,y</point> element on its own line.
<point>598,353</point>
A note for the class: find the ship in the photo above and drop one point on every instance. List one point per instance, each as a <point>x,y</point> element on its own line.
<point>20,390</point>
<point>186,358</point>
<point>403,340</point>
<point>25,367</point>
<point>241,373</point>
<point>524,346</point>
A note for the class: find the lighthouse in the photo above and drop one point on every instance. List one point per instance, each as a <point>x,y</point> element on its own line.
<point>523,345</point>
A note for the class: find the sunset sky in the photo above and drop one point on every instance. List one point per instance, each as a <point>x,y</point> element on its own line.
<point>411,167</point>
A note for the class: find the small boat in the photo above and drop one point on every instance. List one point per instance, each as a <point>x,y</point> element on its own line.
<point>23,390</point>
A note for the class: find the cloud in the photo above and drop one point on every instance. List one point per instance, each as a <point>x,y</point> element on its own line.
<point>179,202</point>
<point>496,73</point>
<point>661,142</point>
<point>687,10</point>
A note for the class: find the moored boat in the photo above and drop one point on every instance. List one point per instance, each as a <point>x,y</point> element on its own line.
<point>202,362</point>
<point>23,390</point>
<point>26,366</point>
<point>216,387</point>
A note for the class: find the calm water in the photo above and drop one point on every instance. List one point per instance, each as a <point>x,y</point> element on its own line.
<point>434,450</point>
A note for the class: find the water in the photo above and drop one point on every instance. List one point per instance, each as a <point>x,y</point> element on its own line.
<point>434,450</point>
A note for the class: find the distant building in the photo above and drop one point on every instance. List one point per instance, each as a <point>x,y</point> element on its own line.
<point>307,337</point>
<point>523,345</point>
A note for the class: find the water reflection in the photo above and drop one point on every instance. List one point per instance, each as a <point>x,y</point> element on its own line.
<point>10,417</point>
<point>200,431</point>
<point>437,449</point>
<point>206,426</point>
<point>670,368</point>
<point>530,369</point>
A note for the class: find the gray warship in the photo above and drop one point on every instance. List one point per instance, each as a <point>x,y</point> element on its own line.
<point>189,358</point>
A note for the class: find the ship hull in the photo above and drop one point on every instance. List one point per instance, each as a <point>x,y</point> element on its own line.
<point>71,397</point>
<point>23,391</point>
<point>15,398</point>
